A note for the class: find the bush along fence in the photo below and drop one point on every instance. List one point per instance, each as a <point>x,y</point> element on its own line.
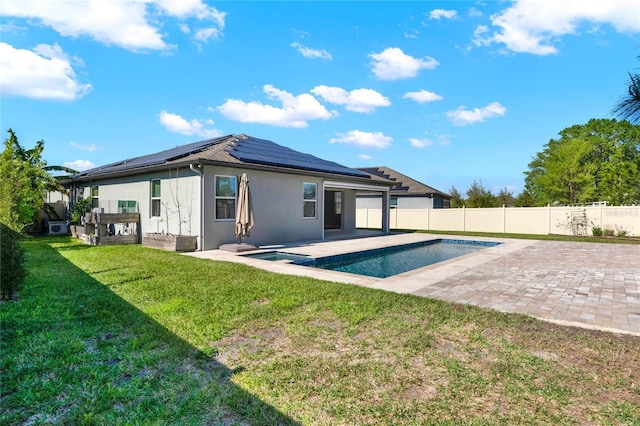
<point>592,220</point>
<point>12,269</point>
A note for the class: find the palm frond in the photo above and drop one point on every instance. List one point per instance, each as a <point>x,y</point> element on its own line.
<point>50,211</point>
<point>628,107</point>
<point>61,169</point>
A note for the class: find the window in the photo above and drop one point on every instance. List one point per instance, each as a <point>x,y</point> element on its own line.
<point>95,193</point>
<point>309,200</point>
<point>126,206</point>
<point>337,200</point>
<point>393,202</point>
<point>155,198</point>
<point>226,189</point>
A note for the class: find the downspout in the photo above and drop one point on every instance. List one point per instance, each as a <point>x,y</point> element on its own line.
<point>197,169</point>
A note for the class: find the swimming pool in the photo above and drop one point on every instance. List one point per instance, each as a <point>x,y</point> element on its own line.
<point>383,262</point>
<point>389,261</point>
<point>275,256</point>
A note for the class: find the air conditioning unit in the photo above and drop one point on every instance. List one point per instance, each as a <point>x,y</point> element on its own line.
<point>57,227</point>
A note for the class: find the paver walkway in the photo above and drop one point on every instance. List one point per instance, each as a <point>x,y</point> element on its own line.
<point>581,284</point>
<point>591,285</point>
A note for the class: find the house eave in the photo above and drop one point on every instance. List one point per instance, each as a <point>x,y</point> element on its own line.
<point>418,194</point>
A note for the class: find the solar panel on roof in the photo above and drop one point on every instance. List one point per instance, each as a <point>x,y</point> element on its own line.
<point>260,151</point>
<point>171,154</point>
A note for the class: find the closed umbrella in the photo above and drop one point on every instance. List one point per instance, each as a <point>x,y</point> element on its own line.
<point>244,215</point>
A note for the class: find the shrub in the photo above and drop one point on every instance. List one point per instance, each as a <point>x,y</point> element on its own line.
<point>577,222</point>
<point>596,231</point>
<point>608,232</point>
<point>80,207</point>
<point>12,272</point>
<point>621,233</point>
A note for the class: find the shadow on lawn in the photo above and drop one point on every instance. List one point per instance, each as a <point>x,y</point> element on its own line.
<point>75,352</point>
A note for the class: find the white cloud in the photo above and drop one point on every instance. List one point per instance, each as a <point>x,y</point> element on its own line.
<point>394,64</point>
<point>88,148</point>
<point>363,139</point>
<point>176,124</point>
<point>186,8</point>
<point>79,165</point>
<point>422,96</point>
<point>420,143</point>
<point>412,33</point>
<point>358,100</point>
<point>444,140</point>
<point>533,26</point>
<point>205,34</point>
<point>295,111</point>
<point>441,13</point>
<point>311,53</point>
<point>120,23</point>
<point>462,116</point>
<point>474,13</point>
<point>44,73</point>
<point>209,23</point>
<point>365,157</point>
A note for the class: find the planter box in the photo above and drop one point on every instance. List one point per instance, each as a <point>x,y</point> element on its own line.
<point>76,230</point>
<point>109,240</point>
<point>169,242</point>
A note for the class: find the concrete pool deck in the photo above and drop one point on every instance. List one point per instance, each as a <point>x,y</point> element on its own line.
<point>586,285</point>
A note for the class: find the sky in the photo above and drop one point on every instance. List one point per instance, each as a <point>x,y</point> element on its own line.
<point>446,92</point>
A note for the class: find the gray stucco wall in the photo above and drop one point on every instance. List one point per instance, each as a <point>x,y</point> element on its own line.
<point>415,203</point>
<point>277,203</point>
<point>349,210</point>
<point>180,199</point>
<point>367,202</point>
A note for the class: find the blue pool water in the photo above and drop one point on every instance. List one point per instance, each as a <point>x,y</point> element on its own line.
<point>276,256</point>
<point>385,262</point>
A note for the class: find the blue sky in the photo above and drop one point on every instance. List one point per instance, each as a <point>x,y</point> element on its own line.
<point>445,92</point>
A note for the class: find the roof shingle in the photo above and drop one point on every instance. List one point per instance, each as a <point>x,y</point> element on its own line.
<point>404,184</point>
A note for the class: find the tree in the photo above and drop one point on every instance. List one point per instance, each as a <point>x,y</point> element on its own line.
<point>23,183</point>
<point>479,196</point>
<point>597,161</point>
<point>456,198</point>
<point>525,199</point>
<point>628,107</point>
<point>505,198</point>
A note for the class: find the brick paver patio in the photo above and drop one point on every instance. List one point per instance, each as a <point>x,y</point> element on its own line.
<point>592,285</point>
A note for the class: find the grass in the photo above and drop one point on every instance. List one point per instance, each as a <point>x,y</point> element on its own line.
<point>131,335</point>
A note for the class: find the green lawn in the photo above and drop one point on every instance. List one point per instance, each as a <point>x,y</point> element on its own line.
<point>131,335</point>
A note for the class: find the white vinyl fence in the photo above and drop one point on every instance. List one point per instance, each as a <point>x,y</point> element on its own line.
<point>514,220</point>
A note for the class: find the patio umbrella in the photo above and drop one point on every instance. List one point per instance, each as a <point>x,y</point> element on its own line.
<point>244,215</point>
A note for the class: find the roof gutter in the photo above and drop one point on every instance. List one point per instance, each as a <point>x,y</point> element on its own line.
<point>197,169</point>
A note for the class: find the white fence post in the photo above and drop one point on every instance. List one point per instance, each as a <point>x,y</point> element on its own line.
<point>464,218</point>
<point>601,225</point>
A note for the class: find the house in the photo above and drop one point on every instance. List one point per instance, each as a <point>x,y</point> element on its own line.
<point>406,193</point>
<point>192,190</point>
